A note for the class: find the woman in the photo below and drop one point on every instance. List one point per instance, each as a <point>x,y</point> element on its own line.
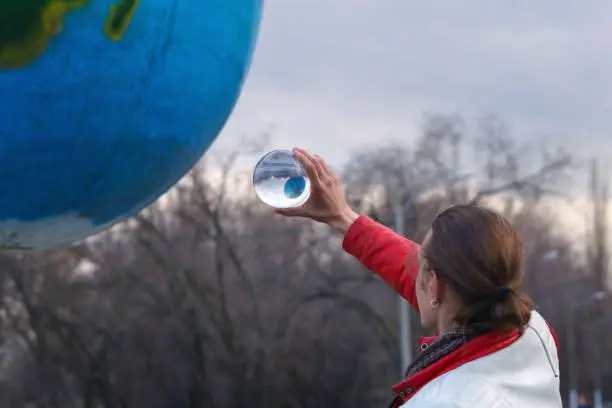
<point>493,350</point>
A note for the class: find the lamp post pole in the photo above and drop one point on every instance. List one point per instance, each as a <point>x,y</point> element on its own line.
<point>403,309</point>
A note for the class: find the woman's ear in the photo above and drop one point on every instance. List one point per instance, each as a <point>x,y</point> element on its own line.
<point>438,288</point>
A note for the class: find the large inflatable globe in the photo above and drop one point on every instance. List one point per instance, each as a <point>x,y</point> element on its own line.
<point>105,104</point>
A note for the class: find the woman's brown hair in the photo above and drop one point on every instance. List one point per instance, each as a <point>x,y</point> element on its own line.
<point>479,254</point>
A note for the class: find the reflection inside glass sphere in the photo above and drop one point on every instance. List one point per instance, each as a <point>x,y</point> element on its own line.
<point>280,180</point>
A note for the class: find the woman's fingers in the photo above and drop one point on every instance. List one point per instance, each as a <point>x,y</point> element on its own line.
<point>325,170</point>
<point>322,179</point>
<point>308,162</point>
<point>321,168</point>
<point>317,169</point>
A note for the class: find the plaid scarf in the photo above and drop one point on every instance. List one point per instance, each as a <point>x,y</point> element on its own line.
<point>439,348</point>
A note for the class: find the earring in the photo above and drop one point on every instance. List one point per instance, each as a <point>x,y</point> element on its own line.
<point>434,303</point>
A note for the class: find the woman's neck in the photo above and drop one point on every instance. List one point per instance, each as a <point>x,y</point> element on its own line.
<point>446,321</point>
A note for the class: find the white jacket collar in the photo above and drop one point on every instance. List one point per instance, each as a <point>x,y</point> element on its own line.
<point>522,375</point>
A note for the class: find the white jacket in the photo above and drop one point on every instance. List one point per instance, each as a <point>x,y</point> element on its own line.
<point>522,375</point>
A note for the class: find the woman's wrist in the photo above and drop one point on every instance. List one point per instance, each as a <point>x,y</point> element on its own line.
<point>344,220</point>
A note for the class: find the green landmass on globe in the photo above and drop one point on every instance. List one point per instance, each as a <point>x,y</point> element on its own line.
<point>27,26</point>
<point>119,18</point>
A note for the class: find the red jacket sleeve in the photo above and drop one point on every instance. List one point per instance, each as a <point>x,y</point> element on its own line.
<point>389,255</point>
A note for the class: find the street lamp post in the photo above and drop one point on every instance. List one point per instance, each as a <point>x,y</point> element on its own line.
<point>403,308</point>
<point>571,344</point>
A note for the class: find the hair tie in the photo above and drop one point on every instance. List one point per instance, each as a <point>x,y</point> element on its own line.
<point>497,296</point>
<point>503,292</point>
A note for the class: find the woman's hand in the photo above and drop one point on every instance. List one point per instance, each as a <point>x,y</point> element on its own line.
<point>327,202</point>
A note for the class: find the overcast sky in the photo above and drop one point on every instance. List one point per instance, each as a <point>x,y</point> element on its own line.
<point>332,75</point>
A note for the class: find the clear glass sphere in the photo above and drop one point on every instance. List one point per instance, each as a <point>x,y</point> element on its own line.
<point>280,180</point>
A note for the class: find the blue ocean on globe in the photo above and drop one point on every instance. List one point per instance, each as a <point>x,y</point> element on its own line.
<point>295,186</point>
<point>108,114</point>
